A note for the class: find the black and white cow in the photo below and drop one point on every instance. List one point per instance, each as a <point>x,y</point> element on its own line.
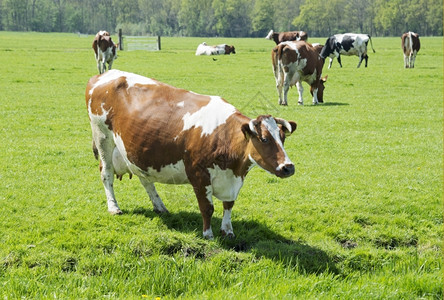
<point>347,44</point>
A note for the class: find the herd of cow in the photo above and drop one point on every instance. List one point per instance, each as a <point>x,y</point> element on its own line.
<point>161,133</point>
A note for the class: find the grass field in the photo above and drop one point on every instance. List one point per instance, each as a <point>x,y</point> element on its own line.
<point>360,219</point>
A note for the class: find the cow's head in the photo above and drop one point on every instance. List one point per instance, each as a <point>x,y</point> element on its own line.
<point>321,88</point>
<point>229,49</point>
<point>267,136</point>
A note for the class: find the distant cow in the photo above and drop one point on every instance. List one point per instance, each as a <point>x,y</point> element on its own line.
<point>347,44</point>
<point>410,46</point>
<point>165,134</point>
<point>204,49</point>
<point>294,62</point>
<point>105,50</point>
<point>279,37</point>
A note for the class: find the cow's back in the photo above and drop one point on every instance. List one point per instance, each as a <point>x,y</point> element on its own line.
<point>153,119</point>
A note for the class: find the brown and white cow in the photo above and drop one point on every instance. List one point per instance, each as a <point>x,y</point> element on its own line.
<point>204,49</point>
<point>294,62</point>
<point>165,134</point>
<point>410,46</point>
<point>279,37</point>
<point>105,50</point>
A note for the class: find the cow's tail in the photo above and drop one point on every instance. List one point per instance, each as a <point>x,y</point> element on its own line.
<point>278,56</point>
<point>410,41</point>
<point>371,43</point>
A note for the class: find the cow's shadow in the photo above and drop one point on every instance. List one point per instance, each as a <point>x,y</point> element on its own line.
<point>252,237</point>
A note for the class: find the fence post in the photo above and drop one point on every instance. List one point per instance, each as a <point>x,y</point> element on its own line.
<point>120,39</point>
<point>158,42</point>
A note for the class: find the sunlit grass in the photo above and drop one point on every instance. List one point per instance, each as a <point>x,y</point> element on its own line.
<point>361,218</point>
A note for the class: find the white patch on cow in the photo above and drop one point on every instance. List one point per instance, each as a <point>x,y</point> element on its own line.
<point>210,116</point>
<point>274,130</point>
<point>181,104</point>
<point>131,79</point>
<point>225,185</point>
<point>173,173</point>
<point>119,163</point>
<point>208,234</point>
<point>209,193</point>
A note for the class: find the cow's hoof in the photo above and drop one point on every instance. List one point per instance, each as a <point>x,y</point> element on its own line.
<point>116,212</point>
<point>230,235</point>
<point>300,103</point>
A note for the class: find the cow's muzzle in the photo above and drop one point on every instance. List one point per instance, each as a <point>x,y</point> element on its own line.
<point>285,170</point>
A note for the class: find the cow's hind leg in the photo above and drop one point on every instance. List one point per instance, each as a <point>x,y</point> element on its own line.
<point>158,205</point>
<point>339,61</point>
<point>300,92</point>
<point>105,148</point>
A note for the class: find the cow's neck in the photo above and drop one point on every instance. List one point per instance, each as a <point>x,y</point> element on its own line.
<point>238,146</point>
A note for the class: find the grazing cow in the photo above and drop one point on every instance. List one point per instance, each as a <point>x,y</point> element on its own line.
<point>279,37</point>
<point>347,44</point>
<point>294,62</point>
<point>410,46</point>
<point>165,134</point>
<point>204,49</point>
<point>105,50</point>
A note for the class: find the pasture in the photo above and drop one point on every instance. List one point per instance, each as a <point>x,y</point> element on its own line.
<point>360,219</point>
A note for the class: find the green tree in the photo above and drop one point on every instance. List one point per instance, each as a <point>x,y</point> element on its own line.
<point>196,18</point>
<point>263,17</point>
<point>233,17</point>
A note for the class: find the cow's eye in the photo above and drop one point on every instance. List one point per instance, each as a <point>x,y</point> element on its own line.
<point>263,140</point>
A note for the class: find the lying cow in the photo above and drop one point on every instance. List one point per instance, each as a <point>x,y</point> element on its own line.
<point>410,46</point>
<point>164,134</point>
<point>294,62</point>
<point>105,50</point>
<point>204,49</point>
<point>347,44</point>
<point>279,37</point>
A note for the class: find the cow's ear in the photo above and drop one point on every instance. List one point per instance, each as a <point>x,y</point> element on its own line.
<point>246,131</point>
<point>324,79</point>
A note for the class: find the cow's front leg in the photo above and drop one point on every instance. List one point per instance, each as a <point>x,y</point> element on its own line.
<point>315,94</point>
<point>204,194</point>
<point>300,92</point>
<point>158,205</point>
<point>226,228</point>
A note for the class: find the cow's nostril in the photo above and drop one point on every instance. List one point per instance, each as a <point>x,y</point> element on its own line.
<point>288,170</point>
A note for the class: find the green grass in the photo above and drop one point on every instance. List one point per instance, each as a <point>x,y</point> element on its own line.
<point>361,218</point>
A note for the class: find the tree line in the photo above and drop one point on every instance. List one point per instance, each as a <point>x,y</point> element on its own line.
<point>228,18</point>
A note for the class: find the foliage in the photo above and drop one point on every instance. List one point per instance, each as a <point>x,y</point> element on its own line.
<point>229,18</point>
<point>360,219</point>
